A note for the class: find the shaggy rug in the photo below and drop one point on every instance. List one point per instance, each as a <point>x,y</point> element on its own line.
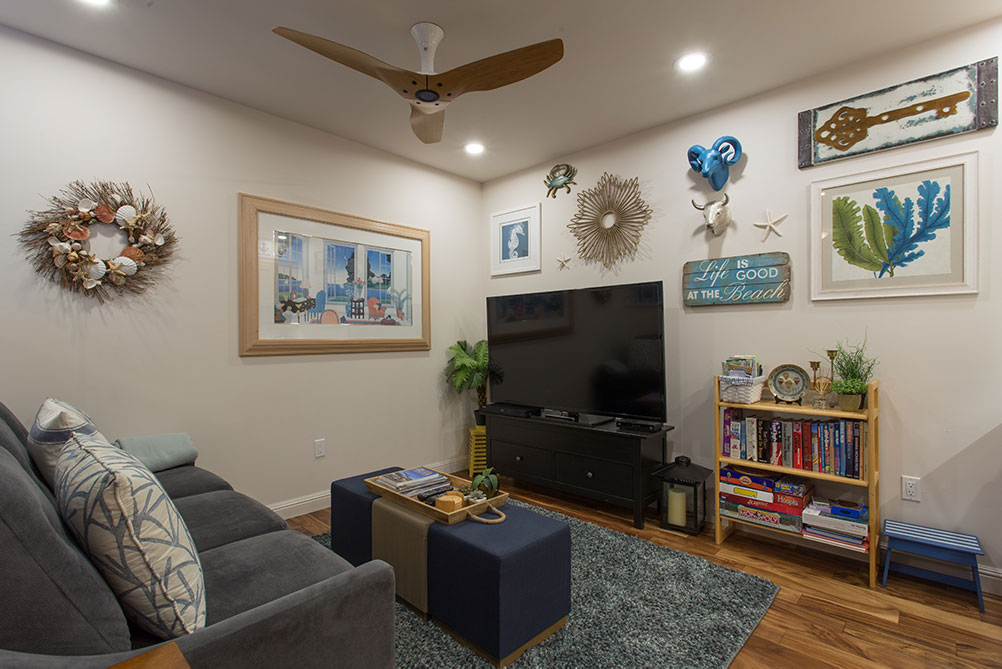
<point>633,604</point>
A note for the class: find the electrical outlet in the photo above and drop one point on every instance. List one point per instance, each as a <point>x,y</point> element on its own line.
<point>910,489</point>
<point>319,448</point>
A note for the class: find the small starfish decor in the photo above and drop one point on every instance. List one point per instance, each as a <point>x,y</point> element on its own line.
<point>770,224</point>
<point>563,260</point>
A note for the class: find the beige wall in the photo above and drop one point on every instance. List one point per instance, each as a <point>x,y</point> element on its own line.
<point>168,361</point>
<point>939,367</point>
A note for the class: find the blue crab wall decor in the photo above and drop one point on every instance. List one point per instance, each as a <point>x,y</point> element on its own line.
<point>713,163</point>
<point>561,176</point>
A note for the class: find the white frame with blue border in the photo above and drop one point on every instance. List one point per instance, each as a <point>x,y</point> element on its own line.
<point>527,251</point>
<point>962,275</point>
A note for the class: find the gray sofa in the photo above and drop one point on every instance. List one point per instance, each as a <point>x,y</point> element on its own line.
<point>274,597</point>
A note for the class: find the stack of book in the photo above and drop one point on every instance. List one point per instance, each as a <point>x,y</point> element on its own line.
<point>415,482</point>
<point>837,523</point>
<point>835,447</point>
<point>741,365</point>
<point>770,500</point>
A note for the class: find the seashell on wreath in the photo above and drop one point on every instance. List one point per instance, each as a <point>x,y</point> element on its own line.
<point>58,246</point>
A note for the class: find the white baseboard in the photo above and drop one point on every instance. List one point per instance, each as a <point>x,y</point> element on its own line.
<point>316,501</point>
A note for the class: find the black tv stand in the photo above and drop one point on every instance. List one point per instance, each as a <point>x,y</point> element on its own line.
<point>596,461</point>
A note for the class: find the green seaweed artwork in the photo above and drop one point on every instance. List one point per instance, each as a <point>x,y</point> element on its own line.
<point>883,241</point>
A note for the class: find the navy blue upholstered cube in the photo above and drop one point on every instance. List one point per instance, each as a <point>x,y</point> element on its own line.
<point>500,585</point>
<point>351,517</point>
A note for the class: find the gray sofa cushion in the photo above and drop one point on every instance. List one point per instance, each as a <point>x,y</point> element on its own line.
<point>224,516</point>
<point>54,600</point>
<point>189,480</point>
<point>252,572</point>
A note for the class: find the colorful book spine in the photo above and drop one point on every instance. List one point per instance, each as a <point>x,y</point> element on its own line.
<point>763,440</point>
<point>776,443</point>
<point>798,446</point>
<point>751,438</point>
<point>856,432</point>
<point>815,463</point>
<point>725,432</point>
<point>736,435</point>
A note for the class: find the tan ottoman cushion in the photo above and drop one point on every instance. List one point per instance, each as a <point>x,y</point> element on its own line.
<point>400,537</point>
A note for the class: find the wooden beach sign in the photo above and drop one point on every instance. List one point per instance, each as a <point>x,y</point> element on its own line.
<point>762,277</point>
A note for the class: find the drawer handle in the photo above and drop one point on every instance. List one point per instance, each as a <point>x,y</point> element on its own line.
<point>590,475</point>
<point>518,458</point>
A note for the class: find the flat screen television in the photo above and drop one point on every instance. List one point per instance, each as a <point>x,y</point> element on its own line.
<point>596,351</point>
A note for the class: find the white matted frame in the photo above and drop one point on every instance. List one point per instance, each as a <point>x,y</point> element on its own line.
<point>293,299</point>
<point>902,231</point>
<point>515,240</point>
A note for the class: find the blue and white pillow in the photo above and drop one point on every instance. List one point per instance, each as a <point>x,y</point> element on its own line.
<point>54,423</point>
<point>134,535</point>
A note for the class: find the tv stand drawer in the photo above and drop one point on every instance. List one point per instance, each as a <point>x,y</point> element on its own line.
<point>515,459</point>
<point>609,478</point>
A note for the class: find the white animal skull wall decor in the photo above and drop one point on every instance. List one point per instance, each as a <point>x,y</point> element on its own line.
<point>717,215</point>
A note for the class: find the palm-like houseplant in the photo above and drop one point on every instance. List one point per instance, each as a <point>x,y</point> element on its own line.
<point>470,368</point>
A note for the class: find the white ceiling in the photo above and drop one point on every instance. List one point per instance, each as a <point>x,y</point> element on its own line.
<point>616,77</point>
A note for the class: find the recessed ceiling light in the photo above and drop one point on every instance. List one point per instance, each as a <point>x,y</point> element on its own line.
<point>691,62</point>
<point>97,3</point>
<point>474,149</point>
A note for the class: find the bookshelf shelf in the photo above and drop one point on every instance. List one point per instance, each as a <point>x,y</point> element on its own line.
<point>790,470</point>
<point>725,525</point>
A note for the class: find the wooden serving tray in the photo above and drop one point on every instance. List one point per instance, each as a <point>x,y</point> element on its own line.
<point>447,517</point>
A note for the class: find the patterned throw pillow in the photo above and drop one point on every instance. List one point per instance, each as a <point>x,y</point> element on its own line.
<point>54,423</point>
<point>133,533</point>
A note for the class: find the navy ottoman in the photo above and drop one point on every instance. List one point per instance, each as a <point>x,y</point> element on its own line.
<point>351,517</point>
<point>502,587</point>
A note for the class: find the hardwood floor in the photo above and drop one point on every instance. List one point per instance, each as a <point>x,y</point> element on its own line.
<point>824,614</point>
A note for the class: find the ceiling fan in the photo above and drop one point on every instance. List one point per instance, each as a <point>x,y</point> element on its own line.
<point>428,93</point>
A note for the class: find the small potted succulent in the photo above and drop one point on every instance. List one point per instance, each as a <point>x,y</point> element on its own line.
<point>854,370</point>
<point>486,483</point>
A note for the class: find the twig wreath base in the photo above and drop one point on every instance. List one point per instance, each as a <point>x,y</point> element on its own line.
<point>58,240</point>
<point>616,197</point>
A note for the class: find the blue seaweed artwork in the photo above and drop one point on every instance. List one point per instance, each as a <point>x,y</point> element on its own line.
<point>886,241</point>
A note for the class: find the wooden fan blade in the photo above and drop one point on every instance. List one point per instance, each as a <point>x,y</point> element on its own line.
<point>353,58</point>
<point>502,69</point>
<point>427,127</point>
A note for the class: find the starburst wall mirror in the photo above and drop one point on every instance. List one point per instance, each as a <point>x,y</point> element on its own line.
<point>610,219</point>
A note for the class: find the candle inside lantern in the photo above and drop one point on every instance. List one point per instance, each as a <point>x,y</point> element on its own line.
<point>676,506</point>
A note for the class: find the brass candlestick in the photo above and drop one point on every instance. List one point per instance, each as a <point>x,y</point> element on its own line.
<point>814,367</point>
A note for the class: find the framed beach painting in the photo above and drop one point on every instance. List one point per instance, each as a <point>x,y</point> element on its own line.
<point>316,281</point>
<point>515,240</point>
<point>908,230</point>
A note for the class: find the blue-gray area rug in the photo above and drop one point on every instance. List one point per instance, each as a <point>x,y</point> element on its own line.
<point>633,604</point>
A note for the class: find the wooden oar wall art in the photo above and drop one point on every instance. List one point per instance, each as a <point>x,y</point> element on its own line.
<point>949,103</point>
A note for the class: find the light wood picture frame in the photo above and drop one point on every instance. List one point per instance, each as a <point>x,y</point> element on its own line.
<point>903,231</point>
<point>313,281</point>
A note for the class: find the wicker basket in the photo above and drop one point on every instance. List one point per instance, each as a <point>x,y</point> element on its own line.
<point>741,390</point>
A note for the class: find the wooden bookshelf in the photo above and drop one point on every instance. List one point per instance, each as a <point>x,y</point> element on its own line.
<point>871,481</point>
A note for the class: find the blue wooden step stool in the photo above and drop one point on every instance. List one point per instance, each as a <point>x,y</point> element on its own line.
<point>928,541</point>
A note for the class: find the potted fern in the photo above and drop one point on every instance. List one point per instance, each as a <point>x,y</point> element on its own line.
<point>470,368</point>
<point>855,370</point>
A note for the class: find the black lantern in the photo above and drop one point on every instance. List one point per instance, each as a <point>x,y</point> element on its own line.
<point>683,495</point>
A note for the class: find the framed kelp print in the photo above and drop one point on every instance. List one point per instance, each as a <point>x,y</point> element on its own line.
<point>316,281</point>
<point>908,230</point>
<point>515,239</point>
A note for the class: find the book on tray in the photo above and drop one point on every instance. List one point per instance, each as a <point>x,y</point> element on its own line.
<point>410,479</point>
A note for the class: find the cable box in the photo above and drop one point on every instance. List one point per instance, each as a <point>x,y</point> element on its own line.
<point>517,410</point>
<point>638,425</point>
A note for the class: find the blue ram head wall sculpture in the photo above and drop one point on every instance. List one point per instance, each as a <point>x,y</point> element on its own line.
<point>713,162</point>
